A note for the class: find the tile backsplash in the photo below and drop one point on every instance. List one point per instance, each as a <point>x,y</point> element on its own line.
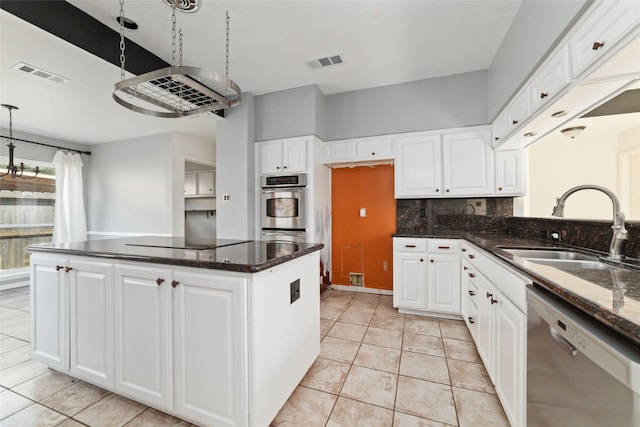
<point>431,216</point>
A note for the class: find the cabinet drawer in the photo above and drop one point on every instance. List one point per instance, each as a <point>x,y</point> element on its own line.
<point>374,149</point>
<point>511,284</point>
<point>443,246</point>
<point>470,253</point>
<point>550,79</point>
<point>406,244</point>
<point>339,151</point>
<point>518,111</point>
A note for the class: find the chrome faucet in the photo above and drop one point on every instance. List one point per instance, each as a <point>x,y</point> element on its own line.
<point>620,234</point>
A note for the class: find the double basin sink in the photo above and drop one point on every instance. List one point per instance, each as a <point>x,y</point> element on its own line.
<point>560,258</point>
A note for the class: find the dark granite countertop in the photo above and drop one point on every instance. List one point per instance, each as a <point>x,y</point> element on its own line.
<point>611,297</point>
<point>245,256</point>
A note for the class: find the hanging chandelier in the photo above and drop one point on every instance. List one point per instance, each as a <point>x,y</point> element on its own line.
<point>176,91</point>
<point>12,170</point>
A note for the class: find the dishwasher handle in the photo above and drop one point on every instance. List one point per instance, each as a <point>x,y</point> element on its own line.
<point>562,341</point>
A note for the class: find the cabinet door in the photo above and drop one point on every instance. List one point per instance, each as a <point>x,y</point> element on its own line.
<point>499,130</point>
<point>486,335</point>
<point>371,149</point>
<point>190,184</point>
<point>609,21</point>
<point>50,312</point>
<point>271,157</point>
<point>518,111</point>
<point>206,185</point>
<point>554,76</point>
<point>444,283</point>
<point>294,156</point>
<point>91,322</point>
<point>209,360</point>
<point>410,280</point>
<point>510,173</point>
<point>142,334</point>
<point>468,164</point>
<point>510,368</point>
<point>418,169</point>
<point>339,151</point>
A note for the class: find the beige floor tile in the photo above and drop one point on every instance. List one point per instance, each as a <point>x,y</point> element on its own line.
<point>325,326</point>
<point>377,357</point>
<point>326,375</point>
<point>338,349</point>
<point>478,409</point>
<point>351,413</point>
<point>70,422</point>
<point>386,300</point>
<point>44,385</point>
<point>382,320</point>
<point>348,331</point>
<point>34,416</point>
<point>426,344</point>
<point>456,329</point>
<point>470,375</point>
<point>367,297</point>
<point>461,350</point>
<point>363,306</point>
<point>11,403</point>
<point>406,420</point>
<point>305,407</point>
<point>426,399</point>
<point>24,336</point>
<point>370,386</point>
<point>111,411</point>
<point>153,418</point>
<point>75,398</point>
<point>422,325</point>
<point>16,329</point>
<point>19,317</point>
<point>330,313</point>
<point>17,355</point>
<point>22,372</point>
<point>383,337</point>
<point>356,316</point>
<point>424,367</point>
<point>11,343</point>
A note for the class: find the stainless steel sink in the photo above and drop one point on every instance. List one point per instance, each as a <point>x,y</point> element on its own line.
<point>550,254</point>
<point>566,264</point>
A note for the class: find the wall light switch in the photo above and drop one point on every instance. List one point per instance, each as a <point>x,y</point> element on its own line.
<point>363,212</point>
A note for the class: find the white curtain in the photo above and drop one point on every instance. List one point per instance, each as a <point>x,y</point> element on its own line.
<point>69,222</point>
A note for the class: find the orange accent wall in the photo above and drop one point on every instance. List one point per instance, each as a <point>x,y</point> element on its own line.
<point>361,245</point>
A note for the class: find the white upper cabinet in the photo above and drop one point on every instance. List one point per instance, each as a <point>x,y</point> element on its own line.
<point>510,176</point>
<point>206,185</point>
<point>499,129</point>
<point>518,111</point>
<point>468,164</point>
<point>352,152</point>
<point>552,77</point>
<point>284,156</point>
<point>418,168</point>
<point>595,36</point>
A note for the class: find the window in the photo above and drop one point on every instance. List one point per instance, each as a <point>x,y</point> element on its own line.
<point>26,217</point>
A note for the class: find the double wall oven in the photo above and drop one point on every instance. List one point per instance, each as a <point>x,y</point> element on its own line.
<point>282,209</point>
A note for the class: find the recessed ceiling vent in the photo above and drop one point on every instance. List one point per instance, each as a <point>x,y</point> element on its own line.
<point>39,72</point>
<point>324,62</point>
<point>188,6</point>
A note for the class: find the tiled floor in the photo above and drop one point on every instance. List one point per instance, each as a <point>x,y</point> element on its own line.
<point>376,368</point>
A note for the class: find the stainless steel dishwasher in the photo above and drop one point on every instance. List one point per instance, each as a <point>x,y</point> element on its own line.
<point>579,373</point>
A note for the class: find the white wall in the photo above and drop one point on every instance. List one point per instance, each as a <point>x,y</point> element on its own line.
<point>235,172</point>
<point>130,187</point>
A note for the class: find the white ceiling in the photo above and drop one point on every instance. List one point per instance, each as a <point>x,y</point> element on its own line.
<point>381,43</point>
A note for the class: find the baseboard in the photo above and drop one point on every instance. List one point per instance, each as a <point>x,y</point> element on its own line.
<point>361,289</point>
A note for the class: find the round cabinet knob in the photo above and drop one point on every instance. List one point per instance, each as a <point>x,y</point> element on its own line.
<point>431,261</point>
<point>471,256</point>
<point>497,138</point>
<point>499,188</point>
<point>437,190</point>
<point>472,293</point>
<point>472,320</point>
<point>465,268</point>
<point>59,267</point>
<point>472,275</point>
<point>373,153</point>
<point>515,122</point>
<point>285,167</point>
<point>543,95</point>
<point>174,283</point>
<point>489,295</point>
<point>493,301</point>
<point>68,269</point>
<point>447,190</point>
<point>278,167</point>
<point>597,45</point>
<point>159,281</point>
<point>463,250</point>
<point>421,260</point>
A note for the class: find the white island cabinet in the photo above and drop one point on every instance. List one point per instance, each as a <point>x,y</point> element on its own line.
<point>218,344</point>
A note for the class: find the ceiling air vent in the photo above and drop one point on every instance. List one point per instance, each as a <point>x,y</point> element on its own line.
<point>324,62</point>
<point>39,72</point>
<point>188,6</point>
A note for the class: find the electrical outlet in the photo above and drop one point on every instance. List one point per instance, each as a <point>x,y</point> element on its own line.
<point>479,206</point>
<point>226,198</point>
<point>294,291</point>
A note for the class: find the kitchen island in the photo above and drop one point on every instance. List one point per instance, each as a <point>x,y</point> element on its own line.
<point>215,332</point>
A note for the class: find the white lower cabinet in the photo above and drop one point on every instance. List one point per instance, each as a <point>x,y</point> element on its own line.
<point>426,275</point>
<point>208,362</point>
<point>91,322</point>
<point>499,327</point>
<point>143,334</point>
